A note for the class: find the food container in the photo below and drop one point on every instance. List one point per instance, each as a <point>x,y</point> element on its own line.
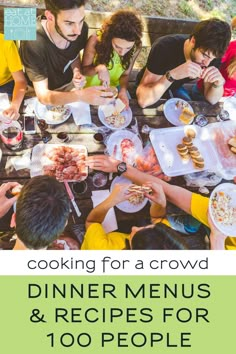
<point>211,142</point>
<point>165,143</point>
<point>219,135</point>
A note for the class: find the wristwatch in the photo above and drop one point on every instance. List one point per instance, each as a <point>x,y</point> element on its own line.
<point>169,77</point>
<point>121,168</point>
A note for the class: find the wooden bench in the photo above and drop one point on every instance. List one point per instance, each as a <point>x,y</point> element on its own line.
<point>154,27</point>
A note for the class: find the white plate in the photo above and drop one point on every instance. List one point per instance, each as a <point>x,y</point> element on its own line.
<point>116,138</point>
<point>126,206</point>
<point>172,112</point>
<point>127,113</point>
<point>164,142</point>
<point>0,155</point>
<point>229,189</point>
<point>39,160</point>
<point>41,112</point>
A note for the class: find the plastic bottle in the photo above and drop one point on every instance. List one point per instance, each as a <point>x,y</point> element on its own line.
<point>185,224</point>
<point>11,133</point>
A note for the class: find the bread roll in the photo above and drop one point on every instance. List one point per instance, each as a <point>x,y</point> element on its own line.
<point>233,149</point>
<point>187,141</point>
<point>190,133</point>
<point>232,142</point>
<point>16,190</point>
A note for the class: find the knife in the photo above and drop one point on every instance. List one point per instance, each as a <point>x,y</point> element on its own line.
<point>72,198</point>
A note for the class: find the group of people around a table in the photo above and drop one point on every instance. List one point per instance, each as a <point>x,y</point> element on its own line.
<point>53,67</point>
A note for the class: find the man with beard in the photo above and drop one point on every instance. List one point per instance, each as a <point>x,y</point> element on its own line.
<point>178,59</point>
<point>52,62</point>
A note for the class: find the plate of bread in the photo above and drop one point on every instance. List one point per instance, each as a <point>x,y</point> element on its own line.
<point>137,199</point>
<point>114,115</point>
<point>178,112</point>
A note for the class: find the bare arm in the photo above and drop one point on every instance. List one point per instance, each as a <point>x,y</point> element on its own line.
<point>152,86</point>
<point>158,200</point>
<point>97,215</point>
<point>177,195</point>
<point>18,95</point>
<point>124,80</point>
<point>91,95</point>
<point>88,68</point>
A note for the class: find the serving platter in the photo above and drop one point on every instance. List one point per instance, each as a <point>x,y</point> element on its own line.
<point>165,141</point>
<point>46,157</point>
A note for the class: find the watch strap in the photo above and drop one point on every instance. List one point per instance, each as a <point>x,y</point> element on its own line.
<point>169,77</point>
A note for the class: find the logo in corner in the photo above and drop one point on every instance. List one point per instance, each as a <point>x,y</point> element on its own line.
<point>20,23</point>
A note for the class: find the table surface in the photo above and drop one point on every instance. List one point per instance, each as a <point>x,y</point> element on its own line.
<point>152,116</point>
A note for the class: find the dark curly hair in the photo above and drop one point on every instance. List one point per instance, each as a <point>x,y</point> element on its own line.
<point>123,24</point>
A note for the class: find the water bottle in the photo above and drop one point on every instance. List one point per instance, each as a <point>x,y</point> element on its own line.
<point>185,224</point>
<point>191,225</point>
<point>11,133</point>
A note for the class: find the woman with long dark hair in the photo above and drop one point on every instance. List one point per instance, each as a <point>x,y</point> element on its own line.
<point>111,52</point>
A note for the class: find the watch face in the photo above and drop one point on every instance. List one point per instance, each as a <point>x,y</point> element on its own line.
<point>121,168</point>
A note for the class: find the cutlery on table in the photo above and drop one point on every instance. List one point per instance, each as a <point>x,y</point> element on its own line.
<point>114,156</point>
<point>72,198</point>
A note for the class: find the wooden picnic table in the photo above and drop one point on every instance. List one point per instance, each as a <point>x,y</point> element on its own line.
<point>152,116</point>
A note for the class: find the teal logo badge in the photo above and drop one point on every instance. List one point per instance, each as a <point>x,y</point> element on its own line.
<point>20,23</point>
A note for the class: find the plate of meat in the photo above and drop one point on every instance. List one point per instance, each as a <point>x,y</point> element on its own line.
<point>64,162</point>
<point>124,145</point>
<point>222,208</point>
<point>137,201</point>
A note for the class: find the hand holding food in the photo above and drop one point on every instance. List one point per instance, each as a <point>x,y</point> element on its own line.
<point>6,203</point>
<point>138,193</point>
<point>157,196</point>
<point>16,190</point>
<point>119,193</point>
